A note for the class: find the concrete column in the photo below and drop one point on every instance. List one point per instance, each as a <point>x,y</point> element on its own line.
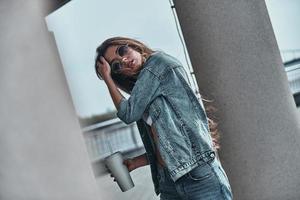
<point>42,151</point>
<point>237,63</point>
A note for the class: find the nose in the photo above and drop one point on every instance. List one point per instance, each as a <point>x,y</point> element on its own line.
<point>125,60</point>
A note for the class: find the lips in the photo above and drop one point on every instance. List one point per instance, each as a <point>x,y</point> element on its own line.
<point>131,63</point>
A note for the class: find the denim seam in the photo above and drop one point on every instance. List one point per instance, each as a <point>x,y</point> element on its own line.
<point>199,179</point>
<point>219,180</point>
<point>159,77</point>
<point>194,100</point>
<point>191,162</point>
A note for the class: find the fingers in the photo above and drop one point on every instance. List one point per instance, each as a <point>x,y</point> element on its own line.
<point>108,171</point>
<point>103,67</point>
<point>103,60</point>
<point>100,61</point>
<point>129,164</point>
<point>126,162</point>
<point>99,67</point>
<point>106,168</point>
<point>99,64</point>
<point>113,177</point>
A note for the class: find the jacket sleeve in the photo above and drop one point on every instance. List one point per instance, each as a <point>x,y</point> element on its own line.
<point>146,89</point>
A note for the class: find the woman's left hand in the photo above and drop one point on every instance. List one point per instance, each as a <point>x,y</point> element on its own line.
<point>103,68</point>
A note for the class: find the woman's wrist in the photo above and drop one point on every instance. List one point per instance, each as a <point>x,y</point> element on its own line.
<point>107,78</point>
<point>132,163</point>
<point>140,161</point>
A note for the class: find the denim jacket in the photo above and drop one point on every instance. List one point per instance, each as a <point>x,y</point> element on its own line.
<point>179,118</point>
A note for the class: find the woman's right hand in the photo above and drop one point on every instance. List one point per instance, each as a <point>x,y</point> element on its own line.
<point>136,162</point>
<point>130,164</point>
<point>133,163</point>
<point>103,68</point>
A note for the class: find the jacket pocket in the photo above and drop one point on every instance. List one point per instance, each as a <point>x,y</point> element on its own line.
<point>201,172</point>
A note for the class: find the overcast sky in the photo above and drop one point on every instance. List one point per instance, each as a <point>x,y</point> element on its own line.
<point>285,18</point>
<point>80,26</point>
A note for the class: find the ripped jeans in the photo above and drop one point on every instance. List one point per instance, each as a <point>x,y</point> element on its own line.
<point>205,182</point>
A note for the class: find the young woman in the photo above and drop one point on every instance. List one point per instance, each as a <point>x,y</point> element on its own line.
<point>171,120</point>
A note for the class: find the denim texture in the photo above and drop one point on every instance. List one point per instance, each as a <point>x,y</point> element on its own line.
<point>205,182</point>
<point>179,118</point>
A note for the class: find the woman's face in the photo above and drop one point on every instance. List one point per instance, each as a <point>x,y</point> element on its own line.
<point>124,59</point>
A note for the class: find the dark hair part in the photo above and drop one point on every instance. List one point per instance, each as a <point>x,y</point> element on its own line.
<point>126,83</point>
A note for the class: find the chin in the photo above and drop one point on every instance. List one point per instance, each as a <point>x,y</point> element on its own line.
<point>138,67</point>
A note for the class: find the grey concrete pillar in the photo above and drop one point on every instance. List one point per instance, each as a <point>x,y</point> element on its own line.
<point>237,63</point>
<point>42,151</point>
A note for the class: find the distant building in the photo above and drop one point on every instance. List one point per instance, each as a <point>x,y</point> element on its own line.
<point>291,59</point>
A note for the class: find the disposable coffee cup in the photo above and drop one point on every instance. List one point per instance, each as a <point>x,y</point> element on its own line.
<point>115,164</point>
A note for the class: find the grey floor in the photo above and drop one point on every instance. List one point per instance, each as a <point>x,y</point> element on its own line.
<point>143,190</point>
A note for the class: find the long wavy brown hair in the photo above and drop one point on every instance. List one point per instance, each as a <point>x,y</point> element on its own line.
<point>126,83</point>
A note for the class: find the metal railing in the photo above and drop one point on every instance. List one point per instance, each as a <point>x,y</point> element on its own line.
<point>104,138</point>
<point>293,74</point>
<point>291,61</point>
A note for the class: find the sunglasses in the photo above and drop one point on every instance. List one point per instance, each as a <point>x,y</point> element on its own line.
<point>122,50</point>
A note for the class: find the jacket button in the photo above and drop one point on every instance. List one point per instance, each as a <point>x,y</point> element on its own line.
<point>212,155</point>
